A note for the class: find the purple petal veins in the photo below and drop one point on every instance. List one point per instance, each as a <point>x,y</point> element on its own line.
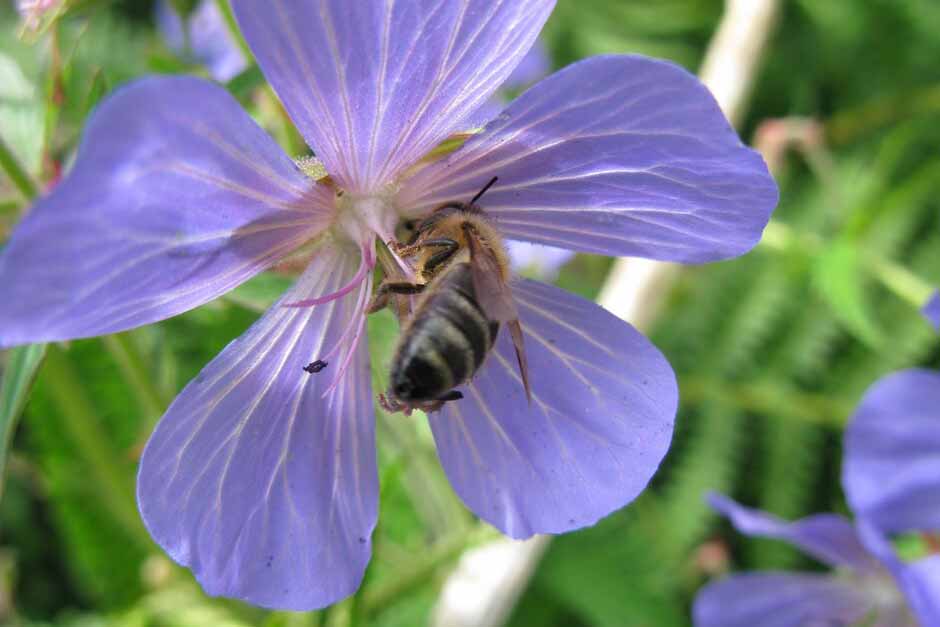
<point>374,86</point>
<point>601,419</point>
<point>261,477</point>
<point>176,197</point>
<point>263,486</point>
<point>617,155</point>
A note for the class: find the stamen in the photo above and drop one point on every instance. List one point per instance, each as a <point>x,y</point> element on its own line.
<point>368,263</point>
<point>359,318</point>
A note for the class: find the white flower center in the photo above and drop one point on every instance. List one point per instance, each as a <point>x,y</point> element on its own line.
<point>362,217</point>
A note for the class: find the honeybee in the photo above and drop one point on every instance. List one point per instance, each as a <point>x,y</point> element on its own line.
<point>462,279</point>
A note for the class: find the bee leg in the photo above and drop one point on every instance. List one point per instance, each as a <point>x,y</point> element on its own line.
<point>436,405</point>
<point>448,249</point>
<point>448,245</point>
<point>386,289</point>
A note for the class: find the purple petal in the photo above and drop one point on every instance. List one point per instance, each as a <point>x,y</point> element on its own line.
<point>919,581</point>
<point>209,38</point>
<point>534,66</point>
<point>932,309</point>
<point>374,86</point>
<point>618,155</point>
<point>265,488</point>
<point>601,418</point>
<point>830,538</point>
<point>213,43</point>
<point>545,261</point>
<point>891,466</point>
<point>176,197</point>
<point>779,600</point>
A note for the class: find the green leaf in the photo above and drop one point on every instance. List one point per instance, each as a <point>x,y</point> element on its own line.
<point>21,118</point>
<point>15,382</point>
<point>837,277</point>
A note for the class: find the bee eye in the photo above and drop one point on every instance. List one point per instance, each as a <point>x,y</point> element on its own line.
<point>410,224</point>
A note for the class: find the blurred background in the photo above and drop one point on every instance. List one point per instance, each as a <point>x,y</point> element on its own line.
<point>772,350</point>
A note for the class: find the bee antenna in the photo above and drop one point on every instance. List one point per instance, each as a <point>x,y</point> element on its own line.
<point>483,191</point>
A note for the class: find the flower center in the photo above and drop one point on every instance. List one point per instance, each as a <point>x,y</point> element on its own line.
<point>361,217</point>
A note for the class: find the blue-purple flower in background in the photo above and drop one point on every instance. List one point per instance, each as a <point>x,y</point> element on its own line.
<point>932,309</point>
<point>891,477</point>
<point>261,477</point>
<point>204,36</point>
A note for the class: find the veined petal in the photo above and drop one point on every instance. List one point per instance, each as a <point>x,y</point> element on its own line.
<point>263,486</point>
<point>780,600</point>
<point>891,465</point>
<point>932,309</point>
<point>618,155</point>
<point>375,85</point>
<point>601,418</point>
<point>176,196</point>
<point>918,581</point>
<point>830,538</point>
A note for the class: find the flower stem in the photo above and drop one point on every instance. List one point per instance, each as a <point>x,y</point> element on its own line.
<point>83,429</point>
<point>15,172</point>
<point>138,377</point>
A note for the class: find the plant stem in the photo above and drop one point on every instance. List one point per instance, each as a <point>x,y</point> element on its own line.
<point>22,364</point>
<point>136,374</point>
<point>83,428</point>
<point>18,176</point>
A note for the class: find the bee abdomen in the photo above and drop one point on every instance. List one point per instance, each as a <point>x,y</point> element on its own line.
<point>446,343</point>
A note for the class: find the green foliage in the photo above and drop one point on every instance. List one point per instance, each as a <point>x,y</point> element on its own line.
<point>772,351</point>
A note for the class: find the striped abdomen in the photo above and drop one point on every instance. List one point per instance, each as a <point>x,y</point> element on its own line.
<point>446,342</point>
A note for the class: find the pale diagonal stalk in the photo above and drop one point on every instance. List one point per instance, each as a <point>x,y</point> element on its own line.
<point>139,378</point>
<point>84,430</point>
<point>21,366</point>
<point>15,172</point>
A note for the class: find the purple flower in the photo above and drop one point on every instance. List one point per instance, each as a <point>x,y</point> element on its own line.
<point>932,309</point>
<point>891,476</point>
<point>205,36</point>
<point>543,261</point>
<point>261,477</point>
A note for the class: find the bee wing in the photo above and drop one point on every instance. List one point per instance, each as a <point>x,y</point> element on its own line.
<point>495,296</point>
